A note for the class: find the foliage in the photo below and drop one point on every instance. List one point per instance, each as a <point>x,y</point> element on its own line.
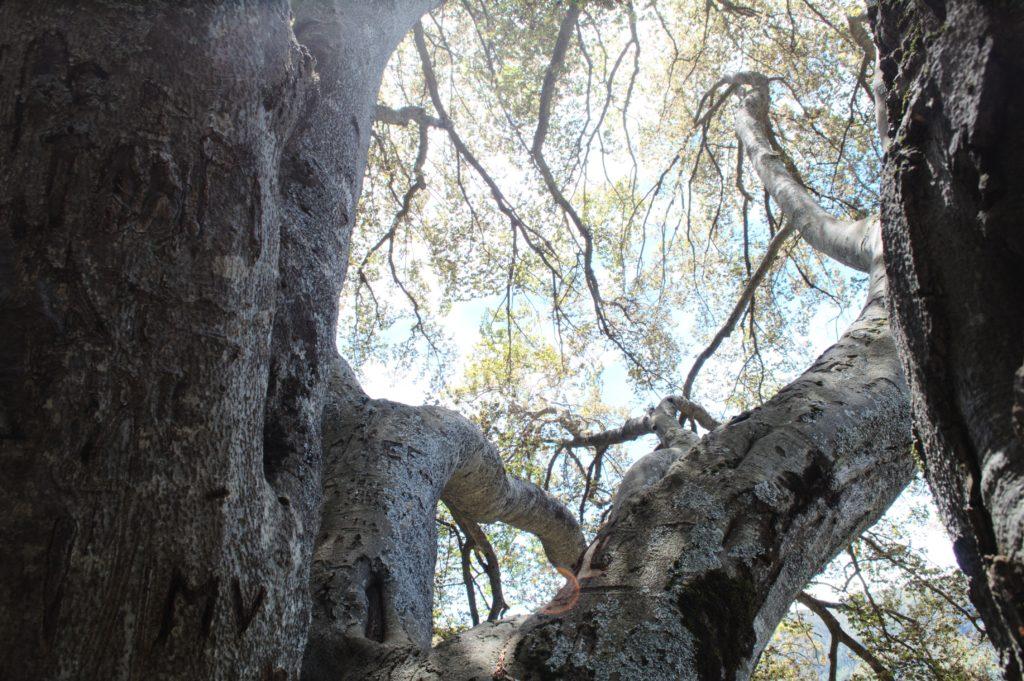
<point>913,615</point>
<point>602,259</point>
<point>659,195</point>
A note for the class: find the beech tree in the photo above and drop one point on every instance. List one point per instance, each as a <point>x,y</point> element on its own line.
<point>197,486</point>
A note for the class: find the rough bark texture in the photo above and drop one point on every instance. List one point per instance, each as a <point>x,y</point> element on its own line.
<point>953,205</point>
<point>176,194</point>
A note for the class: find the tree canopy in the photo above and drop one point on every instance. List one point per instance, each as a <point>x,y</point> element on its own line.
<point>576,168</point>
<point>677,300</point>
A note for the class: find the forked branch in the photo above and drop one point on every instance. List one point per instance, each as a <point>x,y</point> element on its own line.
<point>838,634</point>
<point>663,420</point>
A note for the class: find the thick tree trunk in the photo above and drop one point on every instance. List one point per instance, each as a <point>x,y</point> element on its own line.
<point>953,206</point>
<point>176,196</point>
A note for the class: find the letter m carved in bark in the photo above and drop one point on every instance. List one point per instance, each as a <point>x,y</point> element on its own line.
<point>202,597</point>
<point>244,614</point>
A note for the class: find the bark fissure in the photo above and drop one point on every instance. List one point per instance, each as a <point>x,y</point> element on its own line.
<point>951,207</point>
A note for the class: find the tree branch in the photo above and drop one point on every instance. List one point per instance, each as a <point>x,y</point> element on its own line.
<point>876,91</point>
<point>662,420</point>
<point>386,467</point>
<point>476,540</point>
<point>747,295</point>
<point>547,93</point>
<point>854,244</point>
<point>837,633</point>
<point>407,115</point>
<point>536,241</point>
<point>551,73</point>
<point>481,490</point>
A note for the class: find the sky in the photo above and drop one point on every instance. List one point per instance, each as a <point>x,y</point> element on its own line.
<point>462,326</point>
<point>462,323</point>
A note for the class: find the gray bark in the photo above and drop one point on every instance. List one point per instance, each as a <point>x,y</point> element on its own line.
<point>952,206</point>
<point>176,195</point>
<point>709,541</point>
<point>855,244</point>
<point>387,466</point>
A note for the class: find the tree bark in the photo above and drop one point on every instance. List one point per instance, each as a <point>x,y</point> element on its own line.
<point>691,579</point>
<point>387,467</point>
<point>952,207</point>
<point>176,196</point>
<point>710,542</point>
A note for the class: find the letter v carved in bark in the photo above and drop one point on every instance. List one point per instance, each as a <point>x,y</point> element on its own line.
<point>244,614</point>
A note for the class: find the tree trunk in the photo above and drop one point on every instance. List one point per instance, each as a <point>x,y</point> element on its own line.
<point>176,196</point>
<point>953,204</point>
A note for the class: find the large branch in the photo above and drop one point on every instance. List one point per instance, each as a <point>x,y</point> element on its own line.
<point>661,420</point>
<point>855,244</point>
<point>481,490</point>
<point>407,115</point>
<point>386,467</point>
